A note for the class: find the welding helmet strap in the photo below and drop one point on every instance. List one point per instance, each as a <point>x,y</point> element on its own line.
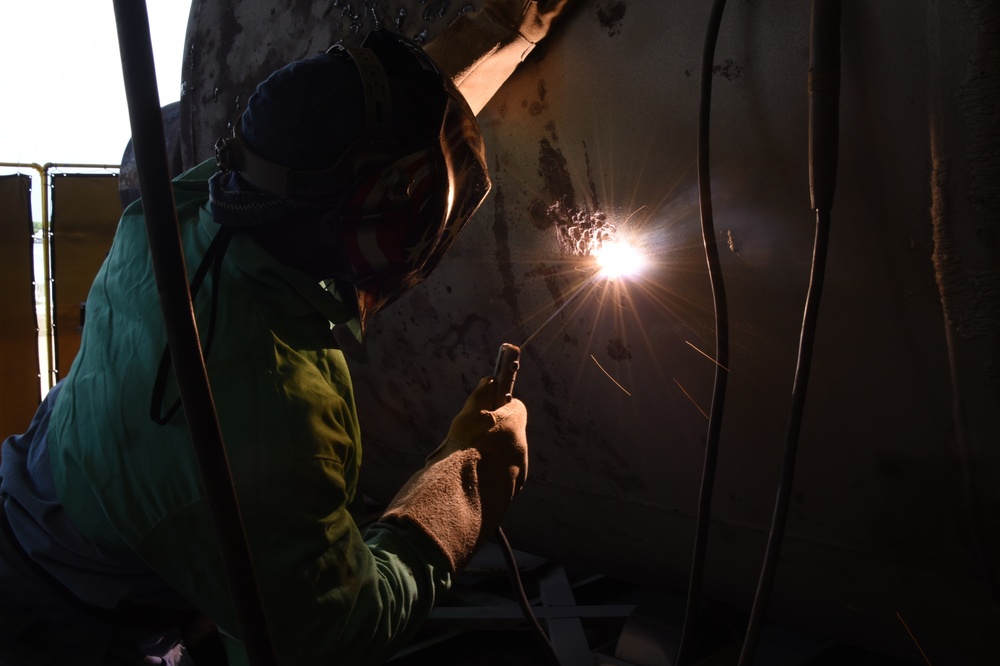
<point>378,139</point>
<point>374,145</point>
<point>233,153</point>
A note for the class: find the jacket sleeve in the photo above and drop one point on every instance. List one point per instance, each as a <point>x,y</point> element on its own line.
<point>480,50</point>
<point>285,404</point>
<point>332,594</point>
<point>462,493</point>
<point>410,575</point>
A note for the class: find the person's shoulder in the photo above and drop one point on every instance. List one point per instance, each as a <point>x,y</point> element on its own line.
<point>199,173</point>
<point>190,188</point>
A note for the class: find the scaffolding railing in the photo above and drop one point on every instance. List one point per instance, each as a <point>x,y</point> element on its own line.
<point>48,374</point>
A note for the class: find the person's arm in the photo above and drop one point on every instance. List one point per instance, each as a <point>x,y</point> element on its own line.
<point>461,494</point>
<point>480,50</point>
<point>333,594</point>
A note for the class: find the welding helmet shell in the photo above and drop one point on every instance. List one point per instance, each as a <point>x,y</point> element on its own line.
<point>401,173</point>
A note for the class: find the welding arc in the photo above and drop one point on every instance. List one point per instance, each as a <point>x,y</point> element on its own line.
<point>562,307</point>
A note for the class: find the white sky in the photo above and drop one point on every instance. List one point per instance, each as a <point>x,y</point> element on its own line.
<point>62,98</point>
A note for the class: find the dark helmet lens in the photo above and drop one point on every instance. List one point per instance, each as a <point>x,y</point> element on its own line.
<point>410,244</point>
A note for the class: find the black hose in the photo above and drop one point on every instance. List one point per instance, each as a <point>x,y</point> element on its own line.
<point>504,374</point>
<point>776,535</point>
<point>522,599</point>
<point>182,334</point>
<point>824,92</point>
<point>721,337</point>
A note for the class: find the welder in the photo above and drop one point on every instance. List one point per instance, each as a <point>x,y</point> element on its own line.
<point>345,180</point>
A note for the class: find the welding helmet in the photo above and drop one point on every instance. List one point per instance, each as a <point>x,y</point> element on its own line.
<point>402,177</point>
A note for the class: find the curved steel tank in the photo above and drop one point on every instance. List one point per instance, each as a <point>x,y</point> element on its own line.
<point>895,510</point>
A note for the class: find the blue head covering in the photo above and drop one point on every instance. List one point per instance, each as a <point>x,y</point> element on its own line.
<point>305,116</point>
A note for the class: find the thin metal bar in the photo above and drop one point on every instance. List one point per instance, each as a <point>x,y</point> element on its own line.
<point>50,346</point>
<point>55,165</point>
<point>720,308</point>
<point>182,333</point>
<point>824,99</point>
<point>43,174</point>
<point>565,629</point>
<point>514,615</point>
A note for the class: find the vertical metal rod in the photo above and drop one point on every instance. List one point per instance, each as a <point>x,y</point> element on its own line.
<point>50,347</point>
<point>43,174</point>
<point>824,100</point>
<point>182,334</point>
<point>686,646</point>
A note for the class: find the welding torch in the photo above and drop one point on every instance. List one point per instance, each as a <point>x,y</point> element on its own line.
<point>505,369</point>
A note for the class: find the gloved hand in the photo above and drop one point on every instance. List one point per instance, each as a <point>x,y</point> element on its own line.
<point>461,494</point>
<point>529,18</point>
<point>497,432</point>
<point>480,50</point>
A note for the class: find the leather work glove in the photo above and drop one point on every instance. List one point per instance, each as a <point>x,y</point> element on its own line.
<point>461,494</point>
<point>480,50</point>
<point>531,19</point>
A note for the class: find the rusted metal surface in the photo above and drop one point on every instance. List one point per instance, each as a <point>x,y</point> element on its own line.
<point>896,504</point>
<point>232,46</point>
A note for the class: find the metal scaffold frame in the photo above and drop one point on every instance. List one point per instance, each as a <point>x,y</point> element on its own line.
<point>44,171</point>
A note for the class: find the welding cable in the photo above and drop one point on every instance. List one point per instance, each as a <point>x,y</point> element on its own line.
<point>721,337</point>
<point>513,573</point>
<point>824,93</point>
<point>522,599</point>
<point>169,270</point>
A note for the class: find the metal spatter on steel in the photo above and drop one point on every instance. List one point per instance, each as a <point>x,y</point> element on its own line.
<point>232,46</point>
<point>897,487</point>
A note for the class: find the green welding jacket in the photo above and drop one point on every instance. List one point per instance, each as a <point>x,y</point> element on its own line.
<point>286,409</point>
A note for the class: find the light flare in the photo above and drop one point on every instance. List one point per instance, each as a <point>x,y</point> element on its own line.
<point>619,258</point>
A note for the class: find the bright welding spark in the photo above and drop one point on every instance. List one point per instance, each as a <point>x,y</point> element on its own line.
<point>914,638</point>
<point>619,259</point>
<point>609,376</point>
